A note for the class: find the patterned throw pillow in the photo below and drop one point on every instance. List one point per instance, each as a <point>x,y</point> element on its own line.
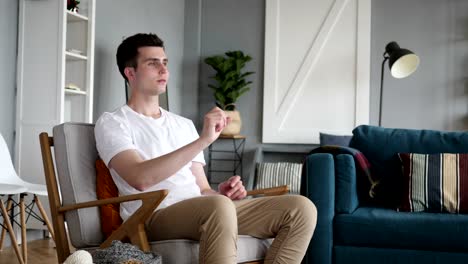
<point>280,173</point>
<point>435,182</point>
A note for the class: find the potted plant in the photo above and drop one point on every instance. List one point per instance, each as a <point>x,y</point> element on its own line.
<point>231,84</point>
<point>72,5</point>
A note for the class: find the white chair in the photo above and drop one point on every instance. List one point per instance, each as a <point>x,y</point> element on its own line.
<point>11,185</point>
<point>9,189</point>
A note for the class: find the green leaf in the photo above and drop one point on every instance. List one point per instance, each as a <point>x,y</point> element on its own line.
<point>220,97</point>
<point>243,90</point>
<point>218,78</point>
<point>213,87</point>
<point>231,81</point>
<point>229,84</point>
<point>245,74</point>
<point>231,75</point>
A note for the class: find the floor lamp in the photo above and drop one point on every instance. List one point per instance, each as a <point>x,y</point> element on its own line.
<point>402,63</point>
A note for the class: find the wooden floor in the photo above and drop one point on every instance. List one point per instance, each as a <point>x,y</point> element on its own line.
<point>39,252</point>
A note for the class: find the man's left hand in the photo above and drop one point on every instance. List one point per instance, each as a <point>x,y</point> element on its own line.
<point>233,188</point>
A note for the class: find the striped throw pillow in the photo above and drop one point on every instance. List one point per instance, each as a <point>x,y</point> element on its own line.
<point>280,173</point>
<point>435,182</point>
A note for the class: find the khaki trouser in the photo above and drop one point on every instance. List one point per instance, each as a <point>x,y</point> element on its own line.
<point>215,221</point>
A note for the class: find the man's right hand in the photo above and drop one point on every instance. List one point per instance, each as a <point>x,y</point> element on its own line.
<point>214,122</point>
<point>142,174</point>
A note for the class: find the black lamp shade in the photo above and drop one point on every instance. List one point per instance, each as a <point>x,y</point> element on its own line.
<point>402,62</point>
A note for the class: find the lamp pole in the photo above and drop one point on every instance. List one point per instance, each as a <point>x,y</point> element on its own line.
<point>385,55</point>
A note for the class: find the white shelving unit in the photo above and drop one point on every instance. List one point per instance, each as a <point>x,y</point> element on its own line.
<point>75,16</point>
<point>55,51</point>
<point>70,56</point>
<point>74,92</point>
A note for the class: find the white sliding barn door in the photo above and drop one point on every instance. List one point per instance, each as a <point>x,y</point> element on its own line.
<point>317,64</point>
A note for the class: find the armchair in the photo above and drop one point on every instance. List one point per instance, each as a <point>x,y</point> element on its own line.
<point>76,203</point>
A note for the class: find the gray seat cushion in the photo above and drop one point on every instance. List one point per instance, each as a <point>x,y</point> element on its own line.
<point>75,155</point>
<point>184,251</point>
<point>248,249</point>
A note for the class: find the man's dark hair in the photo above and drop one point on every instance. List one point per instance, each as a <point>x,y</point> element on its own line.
<point>127,52</point>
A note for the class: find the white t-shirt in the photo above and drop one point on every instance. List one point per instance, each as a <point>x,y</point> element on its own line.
<point>126,129</point>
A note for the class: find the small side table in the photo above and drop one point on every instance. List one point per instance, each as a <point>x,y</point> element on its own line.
<point>232,154</point>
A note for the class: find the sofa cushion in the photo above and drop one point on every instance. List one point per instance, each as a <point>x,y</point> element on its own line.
<point>338,140</point>
<point>381,145</point>
<point>360,255</point>
<point>435,182</point>
<point>346,197</point>
<point>365,181</point>
<point>386,228</point>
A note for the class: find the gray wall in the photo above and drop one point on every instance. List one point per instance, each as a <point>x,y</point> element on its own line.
<point>191,60</point>
<point>235,25</point>
<point>436,95</point>
<point>116,19</point>
<point>8,44</point>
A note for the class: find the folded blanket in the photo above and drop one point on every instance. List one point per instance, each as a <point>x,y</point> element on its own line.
<point>124,253</point>
<point>363,167</point>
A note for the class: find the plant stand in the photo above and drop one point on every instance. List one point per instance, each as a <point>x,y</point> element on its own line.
<point>225,156</point>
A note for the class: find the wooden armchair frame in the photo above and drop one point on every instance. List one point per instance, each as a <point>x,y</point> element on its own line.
<point>133,228</point>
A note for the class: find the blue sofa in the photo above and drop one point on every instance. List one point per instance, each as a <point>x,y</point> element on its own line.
<point>351,229</point>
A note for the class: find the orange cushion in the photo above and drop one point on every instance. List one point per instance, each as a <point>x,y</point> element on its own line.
<point>106,188</point>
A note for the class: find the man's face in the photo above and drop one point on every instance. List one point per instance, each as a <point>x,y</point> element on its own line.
<point>151,73</point>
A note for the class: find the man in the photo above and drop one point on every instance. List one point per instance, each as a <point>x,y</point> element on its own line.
<point>148,148</point>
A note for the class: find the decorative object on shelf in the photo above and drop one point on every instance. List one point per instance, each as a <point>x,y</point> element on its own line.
<point>231,84</point>
<point>402,63</point>
<point>72,86</point>
<point>75,51</point>
<point>72,5</point>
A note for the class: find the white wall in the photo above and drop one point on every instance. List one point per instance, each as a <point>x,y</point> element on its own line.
<point>8,43</point>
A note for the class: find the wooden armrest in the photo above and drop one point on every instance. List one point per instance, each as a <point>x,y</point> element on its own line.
<point>283,189</point>
<point>120,199</point>
<point>134,226</point>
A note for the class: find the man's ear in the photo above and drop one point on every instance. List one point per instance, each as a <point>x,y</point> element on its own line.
<point>130,73</point>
